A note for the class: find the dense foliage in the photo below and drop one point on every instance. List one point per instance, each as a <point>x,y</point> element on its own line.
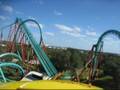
<point>69,58</point>
<point>75,59</point>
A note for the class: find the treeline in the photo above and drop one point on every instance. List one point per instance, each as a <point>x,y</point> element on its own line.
<point>69,58</point>
<point>65,59</point>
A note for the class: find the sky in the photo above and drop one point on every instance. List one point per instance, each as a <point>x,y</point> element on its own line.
<point>67,23</point>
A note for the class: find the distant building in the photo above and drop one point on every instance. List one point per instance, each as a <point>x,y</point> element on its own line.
<point>56,47</point>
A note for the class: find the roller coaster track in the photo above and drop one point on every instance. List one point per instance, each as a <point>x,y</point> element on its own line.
<point>93,60</point>
<point>9,64</point>
<point>17,28</point>
<point>3,64</point>
<point>42,57</point>
<point>97,49</point>
<point>21,28</point>
<point>90,62</point>
<point>10,55</point>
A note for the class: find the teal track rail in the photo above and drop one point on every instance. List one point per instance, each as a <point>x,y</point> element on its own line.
<point>10,65</point>
<point>10,55</point>
<point>95,58</point>
<point>99,44</point>
<point>42,57</point>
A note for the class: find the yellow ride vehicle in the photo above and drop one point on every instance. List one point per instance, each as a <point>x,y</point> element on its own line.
<point>35,80</point>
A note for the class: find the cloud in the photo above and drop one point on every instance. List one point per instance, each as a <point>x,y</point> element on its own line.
<point>49,33</point>
<point>18,12</point>
<point>33,25</point>
<point>3,18</point>
<point>91,33</point>
<point>58,13</point>
<point>74,34</point>
<point>73,31</point>
<point>7,8</point>
<point>65,28</point>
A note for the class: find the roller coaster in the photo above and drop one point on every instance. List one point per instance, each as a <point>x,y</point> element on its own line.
<point>95,55</point>
<point>21,48</point>
<point>19,37</point>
